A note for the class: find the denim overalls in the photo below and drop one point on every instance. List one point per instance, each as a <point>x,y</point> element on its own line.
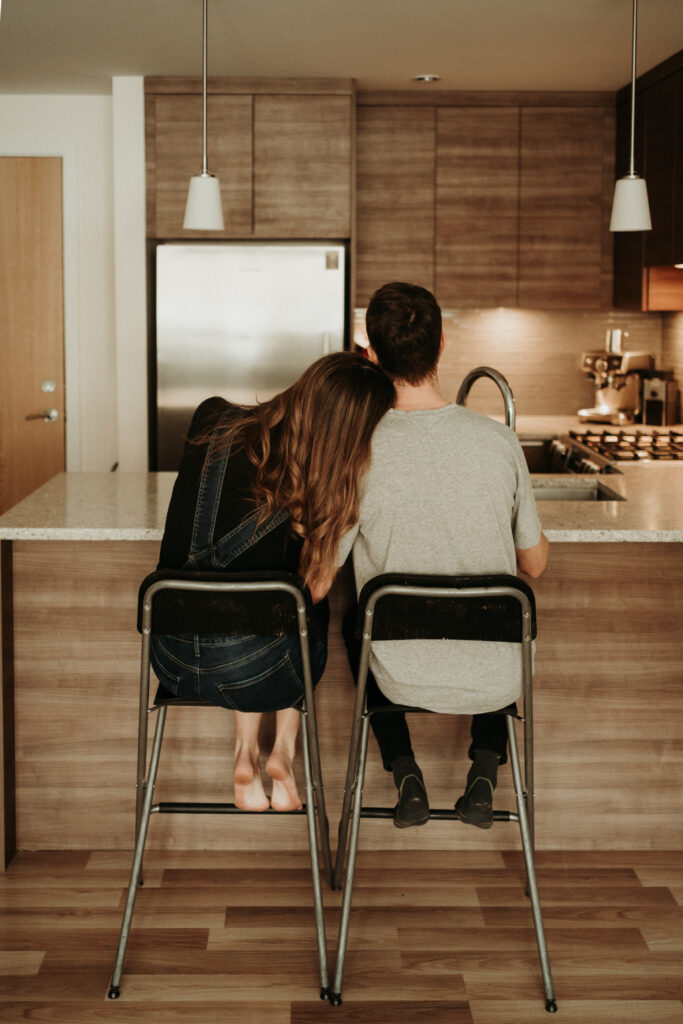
<point>244,673</point>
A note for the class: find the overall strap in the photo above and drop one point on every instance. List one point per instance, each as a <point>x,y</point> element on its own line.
<point>208,498</point>
<point>204,552</point>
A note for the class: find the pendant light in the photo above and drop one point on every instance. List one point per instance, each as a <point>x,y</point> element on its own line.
<point>203,210</point>
<point>630,208</point>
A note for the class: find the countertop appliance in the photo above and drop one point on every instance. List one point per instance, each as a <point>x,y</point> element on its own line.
<point>241,320</point>
<point>593,451</point>
<point>660,401</point>
<point>618,385</point>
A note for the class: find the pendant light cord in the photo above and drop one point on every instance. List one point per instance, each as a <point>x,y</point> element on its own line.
<point>204,92</point>
<point>631,166</point>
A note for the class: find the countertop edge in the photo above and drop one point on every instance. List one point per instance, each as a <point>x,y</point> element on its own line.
<point>53,533</point>
<point>587,536</point>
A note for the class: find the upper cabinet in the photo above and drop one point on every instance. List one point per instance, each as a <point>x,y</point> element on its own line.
<point>489,199</point>
<point>503,199</point>
<point>477,206</point>
<point>395,152</point>
<point>282,150</point>
<point>645,276</point>
<point>565,188</point>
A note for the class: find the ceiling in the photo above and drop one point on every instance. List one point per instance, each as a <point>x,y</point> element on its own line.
<point>72,46</point>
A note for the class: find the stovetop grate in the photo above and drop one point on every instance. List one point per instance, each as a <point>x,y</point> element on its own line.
<point>633,445</point>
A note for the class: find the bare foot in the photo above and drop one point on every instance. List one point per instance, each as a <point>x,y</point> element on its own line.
<point>249,792</point>
<point>285,795</point>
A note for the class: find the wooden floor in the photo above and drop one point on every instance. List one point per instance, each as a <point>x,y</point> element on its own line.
<point>434,937</point>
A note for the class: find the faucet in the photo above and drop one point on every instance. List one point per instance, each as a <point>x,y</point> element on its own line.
<point>497,378</point>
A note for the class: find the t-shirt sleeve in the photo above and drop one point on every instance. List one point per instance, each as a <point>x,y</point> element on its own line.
<point>526,525</point>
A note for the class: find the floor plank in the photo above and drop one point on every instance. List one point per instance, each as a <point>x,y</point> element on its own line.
<point>433,938</point>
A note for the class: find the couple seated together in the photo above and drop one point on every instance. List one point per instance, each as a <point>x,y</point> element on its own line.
<point>362,455</point>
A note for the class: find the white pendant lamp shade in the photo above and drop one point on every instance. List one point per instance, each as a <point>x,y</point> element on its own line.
<point>630,208</point>
<point>203,210</point>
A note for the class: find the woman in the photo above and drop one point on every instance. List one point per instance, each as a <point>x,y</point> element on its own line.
<point>273,486</point>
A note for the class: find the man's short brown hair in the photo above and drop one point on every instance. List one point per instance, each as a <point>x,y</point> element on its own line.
<point>403,323</point>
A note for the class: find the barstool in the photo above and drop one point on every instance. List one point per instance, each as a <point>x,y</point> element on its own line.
<point>408,606</point>
<point>213,603</point>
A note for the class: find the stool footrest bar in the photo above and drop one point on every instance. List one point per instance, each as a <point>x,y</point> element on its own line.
<point>435,814</point>
<point>177,807</point>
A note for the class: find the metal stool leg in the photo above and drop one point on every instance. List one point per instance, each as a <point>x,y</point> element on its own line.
<point>335,997</point>
<point>351,784</point>
<point>143,717</point>
<point>529,762</point>
<point>310,732</point>
<point>114,990</point>
<point>550,1004</point>
<point>315,865</point>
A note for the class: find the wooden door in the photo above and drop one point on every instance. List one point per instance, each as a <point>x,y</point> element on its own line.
<point>31,325</point>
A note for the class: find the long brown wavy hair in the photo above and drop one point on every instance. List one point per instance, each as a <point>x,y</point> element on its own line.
<point>311,446</point>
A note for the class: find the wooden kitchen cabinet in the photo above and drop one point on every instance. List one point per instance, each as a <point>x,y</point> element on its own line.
<point>502,199</point>
<point>395,153</point>
<point>281,148</point>
<point>174,154</point>
<point>644,274</point>
<point>660,171</point>
<point>566,178</point>
<point>477,214</point>
<point>302,166</point>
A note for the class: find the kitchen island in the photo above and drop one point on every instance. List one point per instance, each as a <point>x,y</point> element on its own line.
<point>608,682</point>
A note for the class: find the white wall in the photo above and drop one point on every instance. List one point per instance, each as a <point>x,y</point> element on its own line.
<point>79,129</point>
<point>130,271</point>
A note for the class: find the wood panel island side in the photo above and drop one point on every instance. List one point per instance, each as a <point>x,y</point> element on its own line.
<point>608,684</point>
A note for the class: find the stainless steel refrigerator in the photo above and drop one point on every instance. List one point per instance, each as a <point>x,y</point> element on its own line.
<point>240,320</point>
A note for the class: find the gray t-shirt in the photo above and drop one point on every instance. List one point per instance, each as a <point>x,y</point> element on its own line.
<point>448,491</point>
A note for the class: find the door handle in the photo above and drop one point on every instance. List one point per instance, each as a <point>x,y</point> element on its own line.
<point>49,416</point>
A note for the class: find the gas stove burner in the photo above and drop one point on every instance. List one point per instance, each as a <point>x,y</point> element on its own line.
<point>633,445</point>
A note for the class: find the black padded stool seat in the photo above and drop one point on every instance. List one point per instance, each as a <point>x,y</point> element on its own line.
<point>393,606</point>
<point>222,603</point>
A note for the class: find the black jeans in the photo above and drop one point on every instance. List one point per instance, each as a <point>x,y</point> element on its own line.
<point>488,731</point>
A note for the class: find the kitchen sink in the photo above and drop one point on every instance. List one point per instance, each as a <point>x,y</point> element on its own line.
<point>574,488</point>
<point>540,455</point>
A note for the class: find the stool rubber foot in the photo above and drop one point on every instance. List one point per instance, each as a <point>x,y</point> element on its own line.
<point>141,883</point>
<point>551,1006</point>
<point>324,993</point>
<point>335,998</point>
<point>114,992</point>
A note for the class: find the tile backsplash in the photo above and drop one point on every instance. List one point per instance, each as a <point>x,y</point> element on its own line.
<point>539,353</point>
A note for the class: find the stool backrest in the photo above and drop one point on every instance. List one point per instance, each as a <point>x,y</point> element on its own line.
<point>222,603</point>
<point>407,606</point>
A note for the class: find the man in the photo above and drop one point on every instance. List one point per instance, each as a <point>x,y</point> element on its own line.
<point>448,492</point>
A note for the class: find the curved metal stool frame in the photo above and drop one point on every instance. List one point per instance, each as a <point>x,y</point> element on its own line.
<point>509,603</point>
<point>289,616</point>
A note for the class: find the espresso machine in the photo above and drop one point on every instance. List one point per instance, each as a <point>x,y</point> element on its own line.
<point>618,379</point>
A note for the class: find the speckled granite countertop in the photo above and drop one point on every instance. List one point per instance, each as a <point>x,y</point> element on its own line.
<point>92,506</point>
<point>132,506</point>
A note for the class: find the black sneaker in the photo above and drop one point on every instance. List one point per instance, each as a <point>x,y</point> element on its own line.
<point>475,806</point>
<point>413,807</point>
